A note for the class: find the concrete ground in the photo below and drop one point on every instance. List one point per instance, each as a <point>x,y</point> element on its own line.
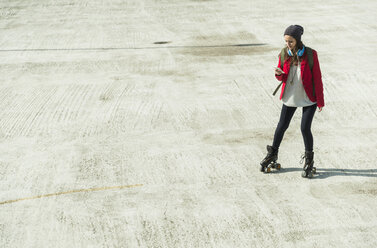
<point>142,124</point>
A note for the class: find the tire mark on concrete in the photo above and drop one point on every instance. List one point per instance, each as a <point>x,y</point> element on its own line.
<point>86,92</point>
<point>115,108</point>
<point>40,114</point>
<point>60,98</point>
<point>42,104</point>
<point>59,109</point>
<point>107,93</point>
<point>71,102</point>
<point>109,108</point>
<point>13,106</point>
<point>21,114</point>
<point>75,102</point>
<point>70,192</point>
<point>7,99</point>
<point>141,112</point>
<point>91,92</point>
<point>158,109</point>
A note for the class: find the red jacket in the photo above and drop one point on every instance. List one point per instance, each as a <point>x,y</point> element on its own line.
<point>306,75</point>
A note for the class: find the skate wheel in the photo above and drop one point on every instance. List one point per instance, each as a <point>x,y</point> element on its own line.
<point>278,166</point>
<point>307,174</point>
<point>268,169</point>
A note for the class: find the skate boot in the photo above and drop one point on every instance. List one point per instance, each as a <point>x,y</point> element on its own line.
<point>309,170</point>
<point>269,162</point>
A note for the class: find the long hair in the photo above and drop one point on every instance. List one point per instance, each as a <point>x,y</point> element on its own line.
<point>295,59</point>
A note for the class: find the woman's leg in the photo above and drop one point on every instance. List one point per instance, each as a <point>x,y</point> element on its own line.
<point>306,123</point>
<point>285,118</point>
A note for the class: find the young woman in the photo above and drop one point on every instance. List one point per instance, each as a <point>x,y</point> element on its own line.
<point>301,87</point>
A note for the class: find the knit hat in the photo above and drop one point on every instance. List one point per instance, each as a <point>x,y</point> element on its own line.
<point>295,31</point>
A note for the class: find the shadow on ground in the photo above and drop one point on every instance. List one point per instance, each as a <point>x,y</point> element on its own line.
<point>323,173</point>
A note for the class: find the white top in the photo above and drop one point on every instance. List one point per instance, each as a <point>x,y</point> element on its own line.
<point>294,92</point>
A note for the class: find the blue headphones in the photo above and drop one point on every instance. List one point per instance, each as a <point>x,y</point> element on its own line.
<point>299,53</point>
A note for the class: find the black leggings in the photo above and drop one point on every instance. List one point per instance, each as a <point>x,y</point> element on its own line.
<point>306,122</point>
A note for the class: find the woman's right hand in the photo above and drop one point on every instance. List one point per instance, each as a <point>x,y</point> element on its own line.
<point>278,71</point>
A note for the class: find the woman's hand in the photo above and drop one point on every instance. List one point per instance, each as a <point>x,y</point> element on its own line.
<point>320,109</point>
<point>278,72</point>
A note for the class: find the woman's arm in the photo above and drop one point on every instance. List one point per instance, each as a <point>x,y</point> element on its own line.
<point>317,79</point>
<point>282,76</point>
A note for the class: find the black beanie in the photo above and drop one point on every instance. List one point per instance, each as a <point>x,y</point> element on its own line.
<point>295,31</point>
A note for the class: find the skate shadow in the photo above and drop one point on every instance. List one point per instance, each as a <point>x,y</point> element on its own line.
<point>286,170</point>
<point>323,173</point>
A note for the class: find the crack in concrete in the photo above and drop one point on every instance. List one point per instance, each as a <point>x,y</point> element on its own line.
<point>127,48</point>
<point>71,192</point>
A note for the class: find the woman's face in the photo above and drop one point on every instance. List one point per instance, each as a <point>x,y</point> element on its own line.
<point>290,41</point>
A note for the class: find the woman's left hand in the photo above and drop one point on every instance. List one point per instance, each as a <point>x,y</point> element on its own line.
<point>320,109</point>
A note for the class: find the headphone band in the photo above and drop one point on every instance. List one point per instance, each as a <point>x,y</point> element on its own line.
<point>300,52</point>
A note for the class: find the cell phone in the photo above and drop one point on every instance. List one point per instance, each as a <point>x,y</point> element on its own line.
<point>279,69</point>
